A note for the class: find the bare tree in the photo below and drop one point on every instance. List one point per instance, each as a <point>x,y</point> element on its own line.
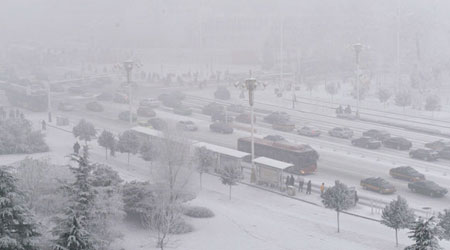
<point>383,95</point>
<point>332,89</point>
<point>205,160</point>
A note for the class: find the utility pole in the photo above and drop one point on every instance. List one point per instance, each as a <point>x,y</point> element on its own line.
<point>281,54</point>
<point>128,65</point>
<point>358,48</point>
<point>398,45</point>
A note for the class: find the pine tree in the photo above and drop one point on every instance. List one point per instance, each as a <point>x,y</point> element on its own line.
<point>17,229</point>
<point>230,175</point>
<point>424,234</point>
<point>338,198</point>
<point>397,215</point>
<point>444,223</point>
<point>74,238</point>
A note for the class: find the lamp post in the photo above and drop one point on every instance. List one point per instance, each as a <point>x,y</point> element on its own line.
<point>250,85</point>
<point>128,65</point>
<point>358,48</point>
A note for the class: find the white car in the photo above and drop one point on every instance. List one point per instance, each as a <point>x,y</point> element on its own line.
<point>149,102</point>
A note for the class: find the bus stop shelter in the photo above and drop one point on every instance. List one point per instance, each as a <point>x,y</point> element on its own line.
<point>270,172</point>
<point>224,155</point>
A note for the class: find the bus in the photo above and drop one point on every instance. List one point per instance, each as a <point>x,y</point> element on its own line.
<point>303,157</point>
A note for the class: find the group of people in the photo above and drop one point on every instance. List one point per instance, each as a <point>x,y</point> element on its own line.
<point>341,110</point>
<point>290,181</point>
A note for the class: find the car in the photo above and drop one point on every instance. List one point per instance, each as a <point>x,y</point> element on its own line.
<point>274,138</point>
<point>212,108</point>
<point>222,93</point>
<point>187,126</point>
<point>445,153</point>
<point>428,188</point>
<point>276,117</point>
<point>236,108</point>
<point>286,126</point>
<point>399,143</point>
<point>424,154</point>
<point>158,123</point>
<point>94,106</point>
<point>438,145</point>
<point>220,127</point>
<point>378,184</point>
<point>105,96</point>
<point>171,102</point>
<point>149,102</point>
<point>406,173</point>
<point>120,97</point>
<point>308,131</point>
<point>65,106</point>
<point>245,118</point>
<point>345,133</point>
<point>366,142</point>
<point>145,111</point>
<point>380,135</point>
<point>221,116</point>
<point>125,116</point>
<point>182,110</point>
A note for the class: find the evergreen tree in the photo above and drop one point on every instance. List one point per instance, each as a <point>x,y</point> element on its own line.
<point>230,175</point>
<point>128,143</point>
<point>424,233</point>
<point>444,223</point>
<point>17,229</point>
<point>107,140</point>
<point>397,215</point>
<point>74,238</point>
<point>338,198</point>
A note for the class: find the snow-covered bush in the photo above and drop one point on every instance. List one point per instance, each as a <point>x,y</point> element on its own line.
<point>198,212</point>
<point>138,201</point>
<point>17,137</point>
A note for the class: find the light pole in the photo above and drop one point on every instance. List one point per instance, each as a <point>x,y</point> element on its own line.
<point>250,85</point>
<point>358,48</point>
<point>128,65</point>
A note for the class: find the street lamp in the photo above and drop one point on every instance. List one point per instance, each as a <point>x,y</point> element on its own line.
<point>128,65</point>
<point>250,85</point>
<point>358,48</point>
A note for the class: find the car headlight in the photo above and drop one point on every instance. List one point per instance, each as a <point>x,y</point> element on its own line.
<point>302,172</point>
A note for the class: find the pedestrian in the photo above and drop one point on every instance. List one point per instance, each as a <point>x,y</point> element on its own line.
<point>322,188</point>
<point>292,181</point>
<point>44,125</point>
<point>308,187</point>
<point>301,181</point>
<point>76,147</point>
<point>356,197</point>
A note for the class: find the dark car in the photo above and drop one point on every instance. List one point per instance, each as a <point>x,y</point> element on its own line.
<point>428,188</point>
<point>120,97</point>
<point>187,126</point>
<point>274,138</point>
<point>378,184</point>
<point>445,153</point>
<point>65,106</point>
<point>245,118</point>
<point>94,106</point>
<point>406,173</point>
<point>105,96</point>
<point>380,135</point>
<point>222,93</point>
<point>286,126</point>
<point>220,127</point>
<point>424,154</point>
<point>236,108</point>
<point>221,116</point>
<point>171,101</point>
<point>341,132</point>
<point>399,143</point>
<point>125,116</point>
<point>145,111</point>
<point>438,145</point>
<point>276,117</point>
<point>182,110</point>
<point>157,123</point>
<point>309,131</point>
<point>366,142</point>
<point>212,108</point>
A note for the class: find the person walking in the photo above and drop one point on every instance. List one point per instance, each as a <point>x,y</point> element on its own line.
<point>308,187</point>
<point>76,147</point>
<point>301,182</point>
<point>292,181</point>
<point>322,188</point>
